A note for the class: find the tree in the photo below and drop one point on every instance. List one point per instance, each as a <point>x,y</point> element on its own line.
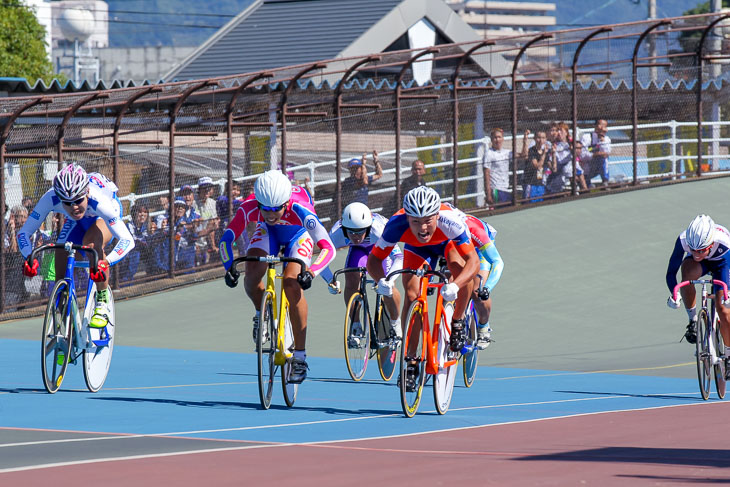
<point>684,67</point>
<point>22,43</point>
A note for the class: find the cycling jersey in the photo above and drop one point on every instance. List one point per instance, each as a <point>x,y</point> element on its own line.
<point>102,203</point>
<point>450,231</point>
<point>299,218</point>
<point>489,258</point>
<point>717,261</point>
<point>357,253</point>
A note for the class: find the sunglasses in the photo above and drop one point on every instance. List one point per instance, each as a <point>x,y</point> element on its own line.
<point>273,209</point>
<point>355,232</point>
<point>75,202</point>
<point>699,251</point>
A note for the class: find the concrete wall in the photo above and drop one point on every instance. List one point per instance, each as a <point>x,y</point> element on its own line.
<point>139,63</point>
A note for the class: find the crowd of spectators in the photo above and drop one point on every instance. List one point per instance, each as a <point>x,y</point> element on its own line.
<point>201,214</point>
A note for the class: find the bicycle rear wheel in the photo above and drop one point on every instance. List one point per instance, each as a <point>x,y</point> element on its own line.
<point>443,381</point>
<point>265,350</point>
<point>57,336</point>
<point>703,354</point>
<point>413,340</point>
<point>387,349</point>
<point>290,390</point>
<point>720,383</point>
<point>469,360</point>
<point>357,337</point>
<point>99,346</point>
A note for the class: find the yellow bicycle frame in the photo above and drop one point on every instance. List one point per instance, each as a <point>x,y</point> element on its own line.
<point>282,351</point>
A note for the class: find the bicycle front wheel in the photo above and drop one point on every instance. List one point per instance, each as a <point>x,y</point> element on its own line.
<point>387,348</point>
<point>57,336</point>
<point>290,390</point>
<point>720,383</point>
<point>357,337</point>
<point>412,355</point>
<point>704,363</point>
<point>443,381</point>
<point>99,346</point>
<point>470,359</point>
<point>265,350</point>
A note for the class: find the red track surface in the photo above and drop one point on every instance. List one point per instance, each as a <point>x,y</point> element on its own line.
<point>683,445</point>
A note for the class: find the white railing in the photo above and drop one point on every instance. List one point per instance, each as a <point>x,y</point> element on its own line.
<point>620,162</point>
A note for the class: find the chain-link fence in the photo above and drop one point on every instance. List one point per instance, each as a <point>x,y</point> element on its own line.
<point>490,125</point>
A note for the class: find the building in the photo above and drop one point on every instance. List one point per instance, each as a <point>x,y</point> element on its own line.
<point>493,20</point>
<point>276,33</point>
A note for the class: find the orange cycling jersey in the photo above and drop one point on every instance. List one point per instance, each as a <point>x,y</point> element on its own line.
<point>450,227</point>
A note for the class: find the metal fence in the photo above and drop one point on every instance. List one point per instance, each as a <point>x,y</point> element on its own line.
<point>660,85</point>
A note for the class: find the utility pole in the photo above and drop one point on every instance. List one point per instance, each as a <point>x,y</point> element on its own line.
<point>715,71</point>
<point>652,42</point>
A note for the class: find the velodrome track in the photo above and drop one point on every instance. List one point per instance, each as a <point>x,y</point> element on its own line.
<point>587,382</point>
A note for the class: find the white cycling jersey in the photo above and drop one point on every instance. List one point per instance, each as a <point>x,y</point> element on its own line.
<point>103,203</point>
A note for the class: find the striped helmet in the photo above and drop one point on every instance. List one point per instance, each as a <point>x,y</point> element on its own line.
<point>701,233</point>
<point>71,183</point>
<point>422,201</point>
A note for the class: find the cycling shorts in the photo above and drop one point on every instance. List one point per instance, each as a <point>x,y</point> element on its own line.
<point>718,269</point>
<point>357,256</point>
<point>415,257</point>
<point>290,240</point>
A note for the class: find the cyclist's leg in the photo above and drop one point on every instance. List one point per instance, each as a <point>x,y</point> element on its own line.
<point>70,232</point>
<point>97,236</point>
<point>299,246</point>
<point>483,308</point>
<point>721,271</point>
<point>456,266</point>
<point>691,270</point>
<point>356,257</point>
<point>260,246</point>
<point>393,302</point>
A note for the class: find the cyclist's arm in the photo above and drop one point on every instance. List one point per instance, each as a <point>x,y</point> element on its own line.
<point>495,272</point>
<point>33,223</point>
<point>245,213</point>
<point>338,240</point>
<point>675,262</point>
<point>110,212</point>
<point>320,236</point>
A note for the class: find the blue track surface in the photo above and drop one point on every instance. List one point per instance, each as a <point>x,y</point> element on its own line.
<point>214,395</point>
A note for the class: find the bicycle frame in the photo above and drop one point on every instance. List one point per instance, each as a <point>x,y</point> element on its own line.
<point>705,297</point>
<point>282,353</point>
<point>430,334</point>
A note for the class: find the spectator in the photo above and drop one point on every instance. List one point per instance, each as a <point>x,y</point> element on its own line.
<point>17,288</point>
<point>221,204</point>
<point>496,162</point>
<point>416,179</point>
<point>28,203</point>
<point>582,160</point>
<point>561,169</point>
<point>537,159</point>
<point>204,206</point>
<point>184,238</point>
<point>599,147</point>
<point>355,188</point>
<point>140,229</point>
<point>188,196</point>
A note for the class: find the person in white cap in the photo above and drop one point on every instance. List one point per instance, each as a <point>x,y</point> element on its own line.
<point>204,205</point>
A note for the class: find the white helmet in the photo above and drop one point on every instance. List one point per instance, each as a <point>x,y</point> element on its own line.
<point>356,217</point>
<point>272,188</point>
<point>701,232</point>
<point>71,183</point>
<point>422,201</point>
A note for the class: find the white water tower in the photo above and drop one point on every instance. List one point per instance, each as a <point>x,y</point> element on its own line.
<point>77,25</point>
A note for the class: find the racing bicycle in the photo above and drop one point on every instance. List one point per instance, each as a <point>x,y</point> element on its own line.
<point>67,335</point>
<point>710,352</point>
<point>371,337</point>
<point>425,350</point>
<point>275,340</point>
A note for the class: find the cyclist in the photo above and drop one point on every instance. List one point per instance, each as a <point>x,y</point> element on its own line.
<point>701,249</point>
<point>359,229</point>
<point>286,221</point>
<point>429,230</point>
<point>93,217</point>
<point>490,270</point>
